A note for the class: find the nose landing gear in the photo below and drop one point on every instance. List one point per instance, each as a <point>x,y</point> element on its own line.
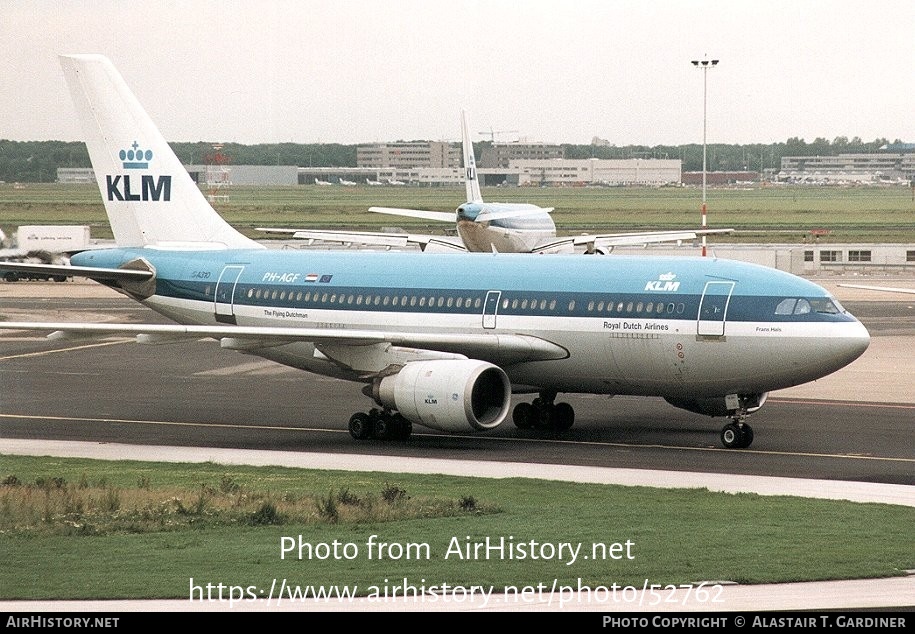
<point>737,435</point>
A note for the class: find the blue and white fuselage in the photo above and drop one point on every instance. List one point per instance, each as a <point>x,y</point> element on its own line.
<point>672,327</point>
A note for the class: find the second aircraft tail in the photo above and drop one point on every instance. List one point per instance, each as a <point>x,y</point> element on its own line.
<point>471,180</point>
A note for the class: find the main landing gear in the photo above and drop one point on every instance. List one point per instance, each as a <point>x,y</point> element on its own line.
<point>380,425</point>
<point>543,413</point>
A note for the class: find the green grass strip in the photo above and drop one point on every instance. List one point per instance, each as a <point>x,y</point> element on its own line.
<point>75,529</point>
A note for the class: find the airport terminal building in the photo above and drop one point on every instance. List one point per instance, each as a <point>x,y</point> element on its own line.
<point>871,169</point>
<point>440,163</point>
<point>531,172</point>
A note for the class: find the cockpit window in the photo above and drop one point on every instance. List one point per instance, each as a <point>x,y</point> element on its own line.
<point>785,307</point>
<point>826,305</point>
<point>822,305</point>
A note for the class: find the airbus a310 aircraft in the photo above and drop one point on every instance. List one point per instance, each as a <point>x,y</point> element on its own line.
<point>441,340</point>
<point>493,227</point>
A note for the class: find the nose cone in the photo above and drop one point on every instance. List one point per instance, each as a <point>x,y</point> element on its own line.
<point>469,211</point>
<point>848,344</point>
<point>857,339</point>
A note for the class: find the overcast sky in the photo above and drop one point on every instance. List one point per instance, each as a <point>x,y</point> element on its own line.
<point>264,71</point>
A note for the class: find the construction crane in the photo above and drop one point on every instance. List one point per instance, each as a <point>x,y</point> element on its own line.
<point>492,133</point>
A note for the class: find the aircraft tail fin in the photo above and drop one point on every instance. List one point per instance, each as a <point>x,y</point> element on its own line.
<point>149,196</point>
<point>470,164</point>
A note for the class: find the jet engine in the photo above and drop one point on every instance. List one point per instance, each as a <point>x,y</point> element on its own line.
<point>447,395</point>
<point>721,405</point>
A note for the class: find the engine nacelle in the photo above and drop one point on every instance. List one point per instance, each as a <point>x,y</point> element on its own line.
<point>448,395</point>
<point>721,405</point>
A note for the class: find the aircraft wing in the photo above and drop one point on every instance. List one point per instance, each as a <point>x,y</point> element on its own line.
<point>497,348</point>
<point>368,238</point>
<point>610,240</point>
<point>888,289</point>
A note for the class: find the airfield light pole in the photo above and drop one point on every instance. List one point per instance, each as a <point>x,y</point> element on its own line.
<point>704,64</point>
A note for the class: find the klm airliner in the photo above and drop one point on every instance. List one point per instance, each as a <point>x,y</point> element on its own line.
<point>493,227</point>
<point>442,341</point>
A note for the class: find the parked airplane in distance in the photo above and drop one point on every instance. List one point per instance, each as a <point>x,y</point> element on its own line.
<point>320,182</point>
<point>347,183</point>
<point>494,227</point>
<point>441,341</point>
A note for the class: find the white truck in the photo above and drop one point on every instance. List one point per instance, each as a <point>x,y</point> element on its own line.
<point>52,238</point>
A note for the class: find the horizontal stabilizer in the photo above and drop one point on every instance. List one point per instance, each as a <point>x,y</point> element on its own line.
<point>438,216</point>
<point>486,216</point>
<point>91,272</point>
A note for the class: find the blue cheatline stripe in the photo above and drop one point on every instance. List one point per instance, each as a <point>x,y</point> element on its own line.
<point>585,282</point>
<point>511,303</point>
<point>507,272</point>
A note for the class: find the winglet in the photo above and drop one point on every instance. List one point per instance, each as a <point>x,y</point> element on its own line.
<point>470,164</point>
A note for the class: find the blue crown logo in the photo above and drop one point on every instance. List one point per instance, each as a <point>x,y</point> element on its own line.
<point>135,158</point>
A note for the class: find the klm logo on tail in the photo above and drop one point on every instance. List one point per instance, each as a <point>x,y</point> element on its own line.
<point>150,188</point>
<point>135,158</point>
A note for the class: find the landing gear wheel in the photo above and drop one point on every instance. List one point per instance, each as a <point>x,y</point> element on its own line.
<point>523,415</point>
<point>360,426</point>
<point>402,428</point>
<point>563,416</point>
<point>383,427</point>
<point>543,415</point>
<point>746,433</point>
<point>736,436</point>
<point>731,436</point>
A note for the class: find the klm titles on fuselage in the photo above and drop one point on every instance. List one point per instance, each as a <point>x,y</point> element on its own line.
<point>665,284</point>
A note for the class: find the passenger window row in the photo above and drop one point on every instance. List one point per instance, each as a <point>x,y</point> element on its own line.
<point>508,305</point>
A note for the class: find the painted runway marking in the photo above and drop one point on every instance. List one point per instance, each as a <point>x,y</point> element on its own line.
<point>70,349</point>
<point>254,367</point>
<point>477,438</point>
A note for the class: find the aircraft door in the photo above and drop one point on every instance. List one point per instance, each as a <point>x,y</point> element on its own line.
<point>225,292</point>
<point>713,308</point>
<point>491,308</point>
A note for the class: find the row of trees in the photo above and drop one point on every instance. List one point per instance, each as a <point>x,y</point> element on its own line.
<point>37,161</point>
